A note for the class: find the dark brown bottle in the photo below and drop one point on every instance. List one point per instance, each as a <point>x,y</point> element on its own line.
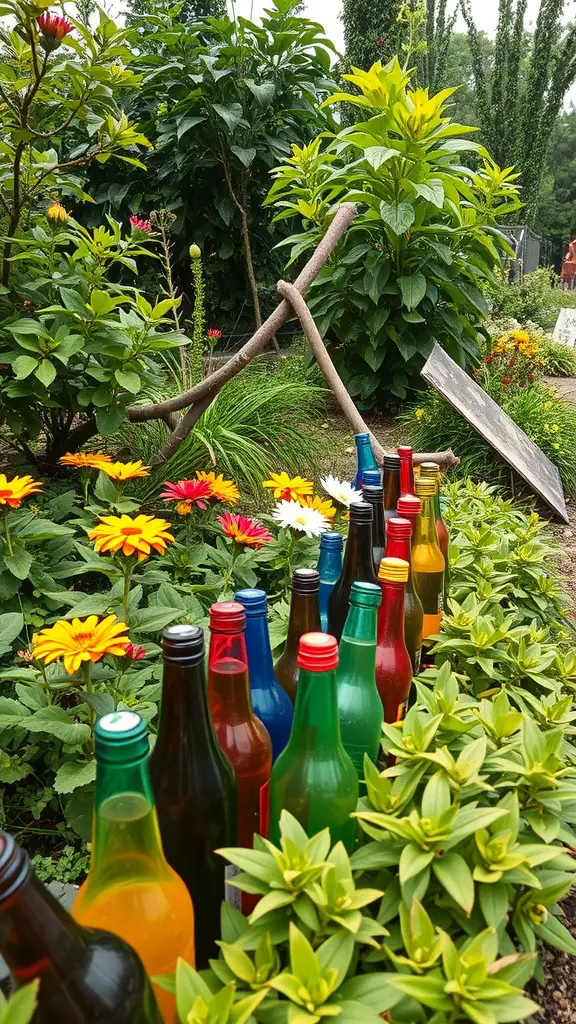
<point>194,784</point>
<point>87,976</point>
<point>358,565</point>
<point>304,618</point>
<point>391,484</point>
<point>375,497</point>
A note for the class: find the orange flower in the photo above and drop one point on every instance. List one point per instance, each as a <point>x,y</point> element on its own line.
<point>131,536</point>
<point>322,505</point>
<point>80,640</point>
<point>288,488</point>
<point>85,460</point>
<point>222,490</point>
<point>125,470</point>
<point>12,492</point>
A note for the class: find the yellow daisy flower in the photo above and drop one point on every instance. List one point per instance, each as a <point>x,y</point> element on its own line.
<point>12,492</point>
<point>222,490</point>
<point>288,488</point>
<point>84,460</point>
<point>79,640</point>
<point>420,414</point>
<point>322,505</point>
<point>125,470</point>
<point>131,536</point>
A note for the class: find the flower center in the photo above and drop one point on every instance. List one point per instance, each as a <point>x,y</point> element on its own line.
<point>6,494</point>
<point>130,531</point>
<point>83,637</point>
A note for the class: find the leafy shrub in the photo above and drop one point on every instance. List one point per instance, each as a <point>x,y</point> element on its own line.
<point>536,297</point>
<point>557,360</point>
<point>413,267</point>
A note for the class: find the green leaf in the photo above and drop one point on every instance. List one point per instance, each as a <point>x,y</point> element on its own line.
<point>455,875</point>
<point>494,901</point>
<point>45,372</point>
<point>11,625</point>
<point>303,960</point>
<point>23,366</point>
<point>20,1007</point>
<point>245,156</point>
<point>413,860</point>
<point>263,92</point>
<point>230,114</point>
<point>19,563</point>
<point>189,987</point>
<point>42,529</point>
<point>110,418</point>
<point>398,216</point>
<point>73,774</point>
<point>129,381</point>
<point>428,991</point>
<point>413,289</point>
<point>555,934</point>
<point>186,123</point>
<point>152,620</point>
<point>272,901</point>
<point>56,722</point>
<point>378,155</point>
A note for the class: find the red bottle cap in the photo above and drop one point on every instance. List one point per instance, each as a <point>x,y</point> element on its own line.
<point>409,505</point>
<point>318,652</point>
<point>404,451</point>
<point>227,617</point>
<point>399,529</point>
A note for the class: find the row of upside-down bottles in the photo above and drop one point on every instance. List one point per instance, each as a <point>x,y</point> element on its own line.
<point>230,756</point>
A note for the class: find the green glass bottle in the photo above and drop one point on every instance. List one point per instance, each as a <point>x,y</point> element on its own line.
<point>314,777</point>
<point>359,704</point>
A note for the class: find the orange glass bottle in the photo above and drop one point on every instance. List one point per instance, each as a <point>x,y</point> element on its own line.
<point>428,565</point>
<point>131,890</point>
<point>393,664</point>
<point>241,735</point>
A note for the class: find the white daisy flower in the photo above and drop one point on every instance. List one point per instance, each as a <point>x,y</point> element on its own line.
<point>340,490</point>
<point>308,520</point>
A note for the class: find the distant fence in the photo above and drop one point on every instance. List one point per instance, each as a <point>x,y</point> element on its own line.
<point>528,247</point>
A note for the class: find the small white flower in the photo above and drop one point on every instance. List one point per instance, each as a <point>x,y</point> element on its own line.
<point>308,520</point>
<point>340,490</point>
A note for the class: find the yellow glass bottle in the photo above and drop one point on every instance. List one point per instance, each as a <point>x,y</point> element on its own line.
<point>428,563</point>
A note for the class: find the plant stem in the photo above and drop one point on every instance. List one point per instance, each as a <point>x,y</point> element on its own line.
<point>88,687</point>
<point>128,570</point>
<point>7,535</point>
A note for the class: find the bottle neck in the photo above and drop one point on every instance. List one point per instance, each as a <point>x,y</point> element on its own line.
<point>304,618</point>
<point>378,525</point>
<point>391,614</point>
<point>358,558</point>
<point>184,717</point>
<point>360,625</point>
<point>260,664</point>
<point>406,477</point>
<point>391,489</point>
<point>228,684</point>
<point>364,460</point>
<point>329,564</point>
<point>124,822</point>
<point>316,725</point>
<point>425,526</point>
<point>401,547</point>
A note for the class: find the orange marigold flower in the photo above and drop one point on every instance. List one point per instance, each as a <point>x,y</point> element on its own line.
<point>322,505</point>
<point>244,530</point>
<point>222,490</point>
<point>85,460</point>
<point>12,492</point>
<point>131,536</point>
<point>125,470</point>
<point>288,488</point>
<point>79,640</point>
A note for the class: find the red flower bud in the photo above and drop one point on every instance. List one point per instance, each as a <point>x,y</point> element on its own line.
<point>135,652</point>
<point>139,224</point>
<point>213,332</point>
<point>53,29</point>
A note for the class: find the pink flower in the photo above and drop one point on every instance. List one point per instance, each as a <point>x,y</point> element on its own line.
<point>141,225</point>
<point>190,491</point>
<point>243,530</point>
<point>507,381</point>
<point>53,29</point>
<point>135,652</point>
<point>214,333</point>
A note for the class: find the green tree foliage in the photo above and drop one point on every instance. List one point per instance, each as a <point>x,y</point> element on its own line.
<point>518,106</point>
<point>185,10</point>
<point>556,212</point>
<point>222,106</point>
<point>412,269</point>
<point>371,31</point>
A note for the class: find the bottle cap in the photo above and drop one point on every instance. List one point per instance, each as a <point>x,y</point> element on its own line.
<point>429,469</point>
<point>361,512</point>
<point>318,652</point>
<point>409,505</point>
<point>398,528</point>
<point>305,581</point>
<point>391,461</point>
<point>374,495</point>
<point>404,451</point>
<point>182,643</point>
<point>121,738</point>
<point>331,539</point>
<point>368,595</point>
<point>394,570</point>
<point>361,439</point>
<point>426,486</point>
<point>372,477</point>
<point>253,601</point>
<point>227,617</point>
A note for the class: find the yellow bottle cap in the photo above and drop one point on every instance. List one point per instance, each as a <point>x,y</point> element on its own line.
<point>430,469</point>
<point>425,486</point>
<point>395,570</point>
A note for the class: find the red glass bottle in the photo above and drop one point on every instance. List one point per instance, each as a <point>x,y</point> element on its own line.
<point>406,470</point>
<point>398,545</point>
<point>393,665</point>
<point>241,735</point>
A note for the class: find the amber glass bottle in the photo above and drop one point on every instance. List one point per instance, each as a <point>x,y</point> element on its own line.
<point>398,545</point>
<point>375,497</point>
<point>358,565</point>
<point>87,976</point>
<point>427,560</point>
<point>194,784</point>
<point>304,618</point>
<point>431,470</point>
<point>391,484</point>
<point>393,665</point>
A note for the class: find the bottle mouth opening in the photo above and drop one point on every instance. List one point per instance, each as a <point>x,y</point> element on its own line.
<point>361,512</point>
<point>318,652</point>
<point>391,461</point>
<point>254,602</point>
<point>373,493</point>
<point>367,595</point>
<point>121,738</point>
<point>182,643</point>
<point>227,617</point>
<point>305,581</point>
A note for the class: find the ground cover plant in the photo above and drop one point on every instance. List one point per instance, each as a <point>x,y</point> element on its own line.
<point>466,836</point>
<point>535,297</point>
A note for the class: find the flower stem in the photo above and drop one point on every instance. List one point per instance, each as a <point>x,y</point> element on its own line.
<point>7,536</point>
<point>128,570</point>
<point>88,687</point>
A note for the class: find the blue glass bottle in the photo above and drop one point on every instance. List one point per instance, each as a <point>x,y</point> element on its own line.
<point>372,478</point>
<point>364,458</point>
<point>329,567</point>
<point>270,702</point>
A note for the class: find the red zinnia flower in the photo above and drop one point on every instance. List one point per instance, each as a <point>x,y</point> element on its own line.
<point>139,224</point>
<point>135,652</point>
<point>512,361</point>
<point>244,530</point>
<point>507,381</point>
<point>192,491</point>
<point>213,332</point>
<point>53,29</point>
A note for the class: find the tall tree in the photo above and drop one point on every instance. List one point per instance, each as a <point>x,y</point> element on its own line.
<point>517,105</point>
<point>371,31</point>
<point>556,213</point>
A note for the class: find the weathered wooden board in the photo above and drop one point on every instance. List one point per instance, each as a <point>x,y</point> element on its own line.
<point>486,416</point>
<point>565,329</point>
